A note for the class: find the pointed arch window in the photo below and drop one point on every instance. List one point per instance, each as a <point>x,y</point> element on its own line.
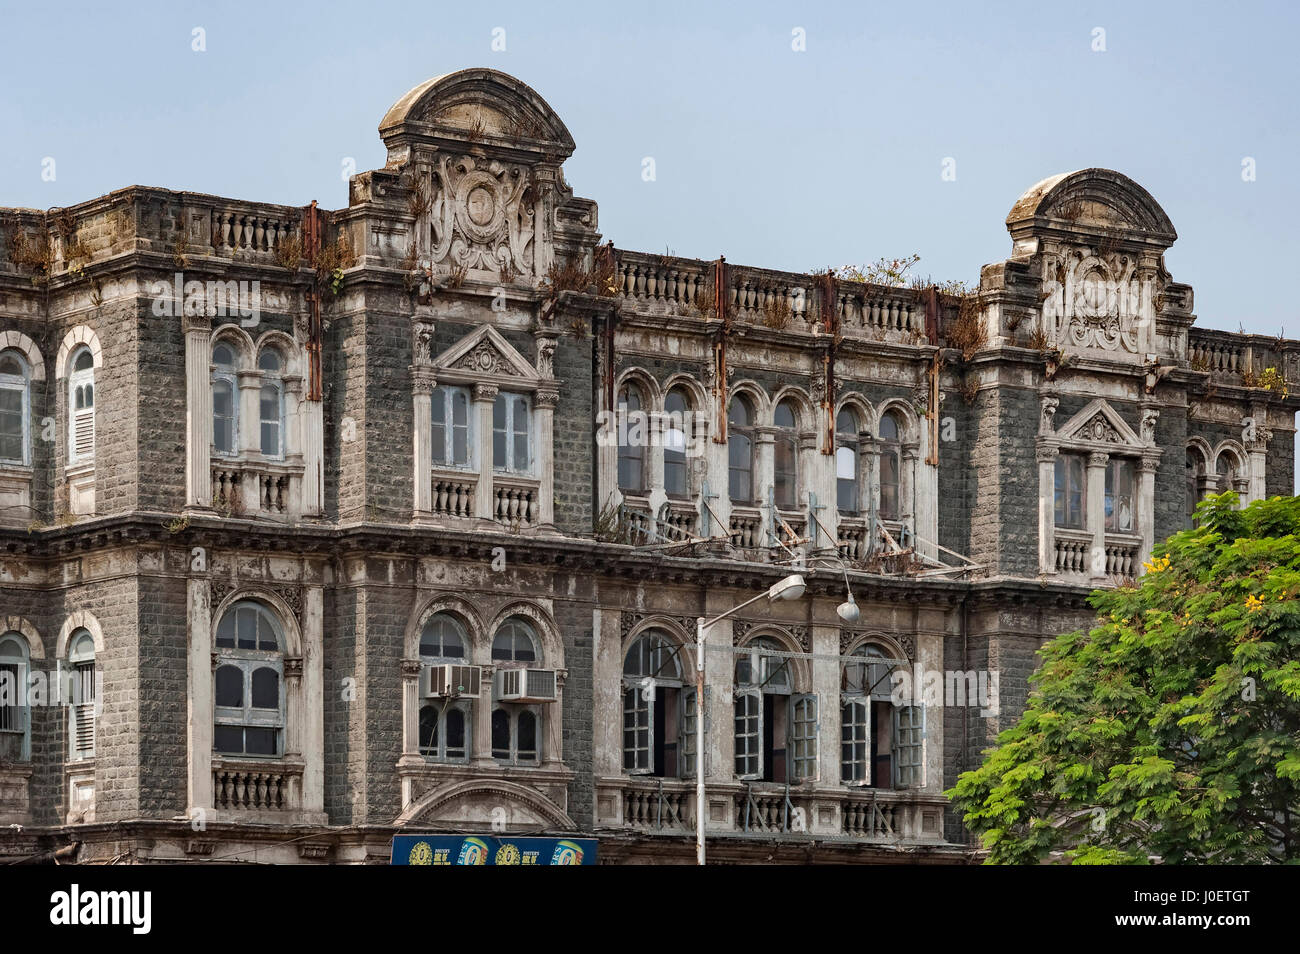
<point>81,407</point>
<point>15,409</point>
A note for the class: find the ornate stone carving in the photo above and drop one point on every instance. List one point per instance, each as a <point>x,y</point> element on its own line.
<point>219,590</point>
<point>1098,459</point>
<point>485,392</point>
<point>292,596</point>
<point>547,397</point>
<point>483,216</point>
<point>1254,436</point>
<point>1050,404</point>
<point>423,346</point>
<point>1148,428</point>
<point>545,357</point>
<point>1099,429</point>
<point>483,358</point>
<point>293,667</point>
<point>1100,331</point>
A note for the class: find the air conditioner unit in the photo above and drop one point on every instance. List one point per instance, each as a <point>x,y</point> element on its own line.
<point>525,685</point>
<point>446,681</point>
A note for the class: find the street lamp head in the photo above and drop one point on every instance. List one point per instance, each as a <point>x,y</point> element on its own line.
<point>791,588</point>
<point>848,610</point>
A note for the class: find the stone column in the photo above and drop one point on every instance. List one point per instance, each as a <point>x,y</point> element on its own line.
<point>545,403</point>
<point>549,723</point>
<point>311,737</point>
<point>907,486</point>
<point>312,422</point>
<point>423,382</point>
<point>411,710</point>
<point>199,692</point>
<point>485,396</point>
<point>250,412</point>
<point>825,642</point>
<point>927,496</point>
<point>1047,508</point>
<point>481,737</point>
<point>1146,509</point>
<point>764,462</point>
<point>294,713</point>
<point>1096,489</point>
<point>198,412</point>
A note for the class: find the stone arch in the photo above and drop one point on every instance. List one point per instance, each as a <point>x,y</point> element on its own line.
<point>470,804</point>
<point>543,625</point>
<point>282,343</point>
<point>892,647</point>
<point>507,106</point>
<point>758,399</point>
<point>81,619</point>
<point>653,398</point>
<point>800,669</point>
<point>684,641</point>
<point>464,612</point>
<point>22,626</point>
<point>697,394</point>
<point>1097,198</point>
<point>861,406</point>
<point>805,418</point>
<point>20,342</point>
<point>283,612</point>
<point>1202,447</point>
<point>74,339</point>
<point>245,347</point>
<point>905,412</point>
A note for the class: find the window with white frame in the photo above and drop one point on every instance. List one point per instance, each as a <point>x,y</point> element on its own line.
<point>677,411</point>
<point>658,710</point>
<point>225,400</point>
<point>785,459</point>
<point>516,728</point>
<point>15,405</point>
<point>1069,491</point>
<point>271,403</point>
<point>81,705</point>
<point>511,434</point>
<point>444,733</point>
<point>775,727</point>
<point>81,407</point>
<point>451,418</point>
<point>866,721</point>
<point>909,746</point>
<point>15,741</point>
<point>891,467</point>
<point>1119,495</point>
<point>740,450</point>
<point>847,487</point>
<point>632,440</point>
<point>248,686</point>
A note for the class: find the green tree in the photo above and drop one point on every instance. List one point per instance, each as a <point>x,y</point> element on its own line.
<point>1171,730</point>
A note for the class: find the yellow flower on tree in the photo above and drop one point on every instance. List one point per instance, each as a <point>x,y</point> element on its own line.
<point>1253,603</point>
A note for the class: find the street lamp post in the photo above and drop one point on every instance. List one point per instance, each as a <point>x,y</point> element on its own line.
<point>790,588</point>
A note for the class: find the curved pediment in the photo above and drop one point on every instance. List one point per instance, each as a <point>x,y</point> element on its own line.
<point>495,805</point>
<point>1092,200</point>
<point>478,106</point>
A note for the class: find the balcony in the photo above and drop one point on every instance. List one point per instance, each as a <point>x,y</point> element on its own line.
<point>249,789</point>
<point>256,488</point>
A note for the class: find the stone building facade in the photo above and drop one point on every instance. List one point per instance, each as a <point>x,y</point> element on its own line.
<point>320,526</point>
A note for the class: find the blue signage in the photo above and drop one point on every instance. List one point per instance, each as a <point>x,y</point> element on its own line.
<point>491,850</point>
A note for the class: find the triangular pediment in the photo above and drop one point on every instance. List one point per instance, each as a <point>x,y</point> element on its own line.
<point>484,355</point>
<point>1098,423</point>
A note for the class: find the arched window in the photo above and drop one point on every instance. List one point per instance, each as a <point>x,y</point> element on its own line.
<point>785,461</point>
<point>676,409</point>
<point>515,641</point>
<point>15,409</point>
<point>658,710</point>
<point>444,723</point>
<point>740,451</point>
<point>515,726</point>
<point>81,705</point>
<point>272,403</point>
<point>451,427</point>
<point>891,466</point>
<point>1225,469</point>
<point>880,743</point>
<point>775,727</point>
<point>1195,476</point>
<point>15,738</point>
<point>81,407</point>
<point>847,494</point>
<point>225,400</point>
<point>632,440</point>
<point>511,440</point>
<point>248,685</point>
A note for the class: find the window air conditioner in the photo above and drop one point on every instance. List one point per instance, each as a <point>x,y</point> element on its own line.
<point>446,681</point>
<point>525,685</point>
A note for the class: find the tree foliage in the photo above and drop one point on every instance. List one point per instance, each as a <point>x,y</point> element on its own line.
<point>1170,731</point>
